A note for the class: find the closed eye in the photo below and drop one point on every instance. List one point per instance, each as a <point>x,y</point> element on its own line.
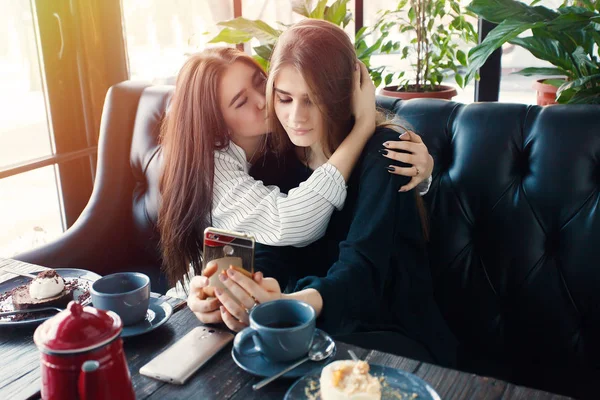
<point>242,103</point>
<point>284,100</point>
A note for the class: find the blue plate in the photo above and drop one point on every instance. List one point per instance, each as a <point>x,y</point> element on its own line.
<point>397,384</point>
<point>85,278</point>
<point>259,365</point>
<point>159,312</point>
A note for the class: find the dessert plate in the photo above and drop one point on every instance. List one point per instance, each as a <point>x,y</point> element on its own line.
<point>396,384</point>
<point>259,365</point>
<point>159,311</point>
<point>84,280</point>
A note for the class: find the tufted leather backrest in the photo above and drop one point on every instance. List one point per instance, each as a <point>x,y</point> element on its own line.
<point>515,227</point>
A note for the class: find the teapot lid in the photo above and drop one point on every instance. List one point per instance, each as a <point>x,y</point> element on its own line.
<point>77,329</point>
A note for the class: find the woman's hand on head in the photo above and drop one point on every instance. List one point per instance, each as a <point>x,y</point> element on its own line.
<point>248,292</point>
<point>418,156</point>
<point>204,307</point>
<point>363,99</point>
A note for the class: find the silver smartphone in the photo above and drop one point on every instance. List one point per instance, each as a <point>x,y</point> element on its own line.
<point>178,362</point>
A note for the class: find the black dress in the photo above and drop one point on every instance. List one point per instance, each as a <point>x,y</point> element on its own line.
<point>371,267</point>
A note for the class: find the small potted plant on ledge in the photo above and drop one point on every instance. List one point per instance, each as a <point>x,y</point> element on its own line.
<point>436,30</point>
<point>567,37</point>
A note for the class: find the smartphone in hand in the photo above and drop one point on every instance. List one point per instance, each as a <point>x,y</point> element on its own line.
<point>224,249</point>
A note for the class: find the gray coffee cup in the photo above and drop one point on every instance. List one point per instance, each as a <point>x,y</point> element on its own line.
<point>282,330</point>
<point>126,293</point>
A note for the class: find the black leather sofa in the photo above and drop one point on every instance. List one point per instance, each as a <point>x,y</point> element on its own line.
<point>513,215</point>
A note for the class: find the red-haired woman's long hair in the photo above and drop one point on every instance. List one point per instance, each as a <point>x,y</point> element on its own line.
<point>192,130</point>
<point>323,53</point>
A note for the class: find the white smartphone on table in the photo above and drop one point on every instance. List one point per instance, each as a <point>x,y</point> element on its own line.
<point>179,361</point>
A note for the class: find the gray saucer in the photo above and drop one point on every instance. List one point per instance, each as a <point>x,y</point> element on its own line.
<point>159,312</point>
<point>259,365</point>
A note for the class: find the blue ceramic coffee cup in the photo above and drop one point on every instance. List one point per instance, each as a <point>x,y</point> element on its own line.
<point>282,330</point>
<point>126,293</point>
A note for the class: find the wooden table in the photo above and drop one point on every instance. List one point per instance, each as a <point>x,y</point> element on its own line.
<point>221,378</point>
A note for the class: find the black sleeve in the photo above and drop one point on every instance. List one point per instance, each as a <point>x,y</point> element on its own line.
<point>383,219</point>
<point>279,262</point>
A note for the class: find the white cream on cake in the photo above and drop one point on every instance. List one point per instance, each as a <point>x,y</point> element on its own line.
<point>349,380</point>
<point>43,287</point>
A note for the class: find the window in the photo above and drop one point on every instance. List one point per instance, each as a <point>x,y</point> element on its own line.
<point>29,202</point>
<point>51,91</point>
<point>160,33</point>
<point>393,61</point>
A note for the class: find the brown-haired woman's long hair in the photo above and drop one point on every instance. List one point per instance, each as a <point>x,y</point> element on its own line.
<point>192,130</point>
<point>325,57</point>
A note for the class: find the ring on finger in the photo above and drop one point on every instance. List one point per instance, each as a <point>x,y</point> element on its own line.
<point>249,310</point>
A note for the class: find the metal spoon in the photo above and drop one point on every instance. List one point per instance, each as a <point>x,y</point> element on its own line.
<point>33,310</point>
<point>12,271</point>
<point>320,350</point>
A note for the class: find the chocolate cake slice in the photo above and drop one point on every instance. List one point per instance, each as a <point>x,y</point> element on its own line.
<point>22,300</point>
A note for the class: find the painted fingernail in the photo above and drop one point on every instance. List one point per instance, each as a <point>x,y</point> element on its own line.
<point>383,151</point>
<point>223,277</point>
<point>405,134</point>
<point>218,291</point>
<point>231,272</point>
<point>386,144</point>
<point>390,168</point>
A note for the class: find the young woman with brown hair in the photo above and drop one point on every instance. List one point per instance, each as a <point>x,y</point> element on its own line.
<point>370,272</point>
<point>214,130</point>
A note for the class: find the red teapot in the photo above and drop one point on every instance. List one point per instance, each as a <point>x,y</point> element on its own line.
<point>82,355</point>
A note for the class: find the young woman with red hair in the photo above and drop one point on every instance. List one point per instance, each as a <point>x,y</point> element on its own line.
<point>368,278</point>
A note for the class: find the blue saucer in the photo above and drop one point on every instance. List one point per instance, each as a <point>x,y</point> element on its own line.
<point>259,365</point>
<point>159,311</point>
<point>398,385</point>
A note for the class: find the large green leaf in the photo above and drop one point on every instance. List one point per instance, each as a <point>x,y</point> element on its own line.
<point>257,28</point>
<point>571,18</point>
<point>231,36</point>
<point>264,51</point>
<point>540,71</point>
<point>336,12</point>
<point>546,49</point>
<point>302,7</point>
<point>506,31</point>
<point>588,82</point>
<point>582,59</point>
<point>319,11</point>
<point>262,62</point>
<point>583,96</point>
<point>497,11</point>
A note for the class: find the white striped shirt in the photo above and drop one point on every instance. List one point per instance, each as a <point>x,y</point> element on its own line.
<point>243,204</point>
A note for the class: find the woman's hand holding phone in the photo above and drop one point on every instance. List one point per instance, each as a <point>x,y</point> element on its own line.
<point>224,308</point>
<point>201,299</point>
<point>248,292</point>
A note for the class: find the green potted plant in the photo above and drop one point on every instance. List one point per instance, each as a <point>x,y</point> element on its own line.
<point>436,31</point>
<point>568,38</point>
<point>242,30</point>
